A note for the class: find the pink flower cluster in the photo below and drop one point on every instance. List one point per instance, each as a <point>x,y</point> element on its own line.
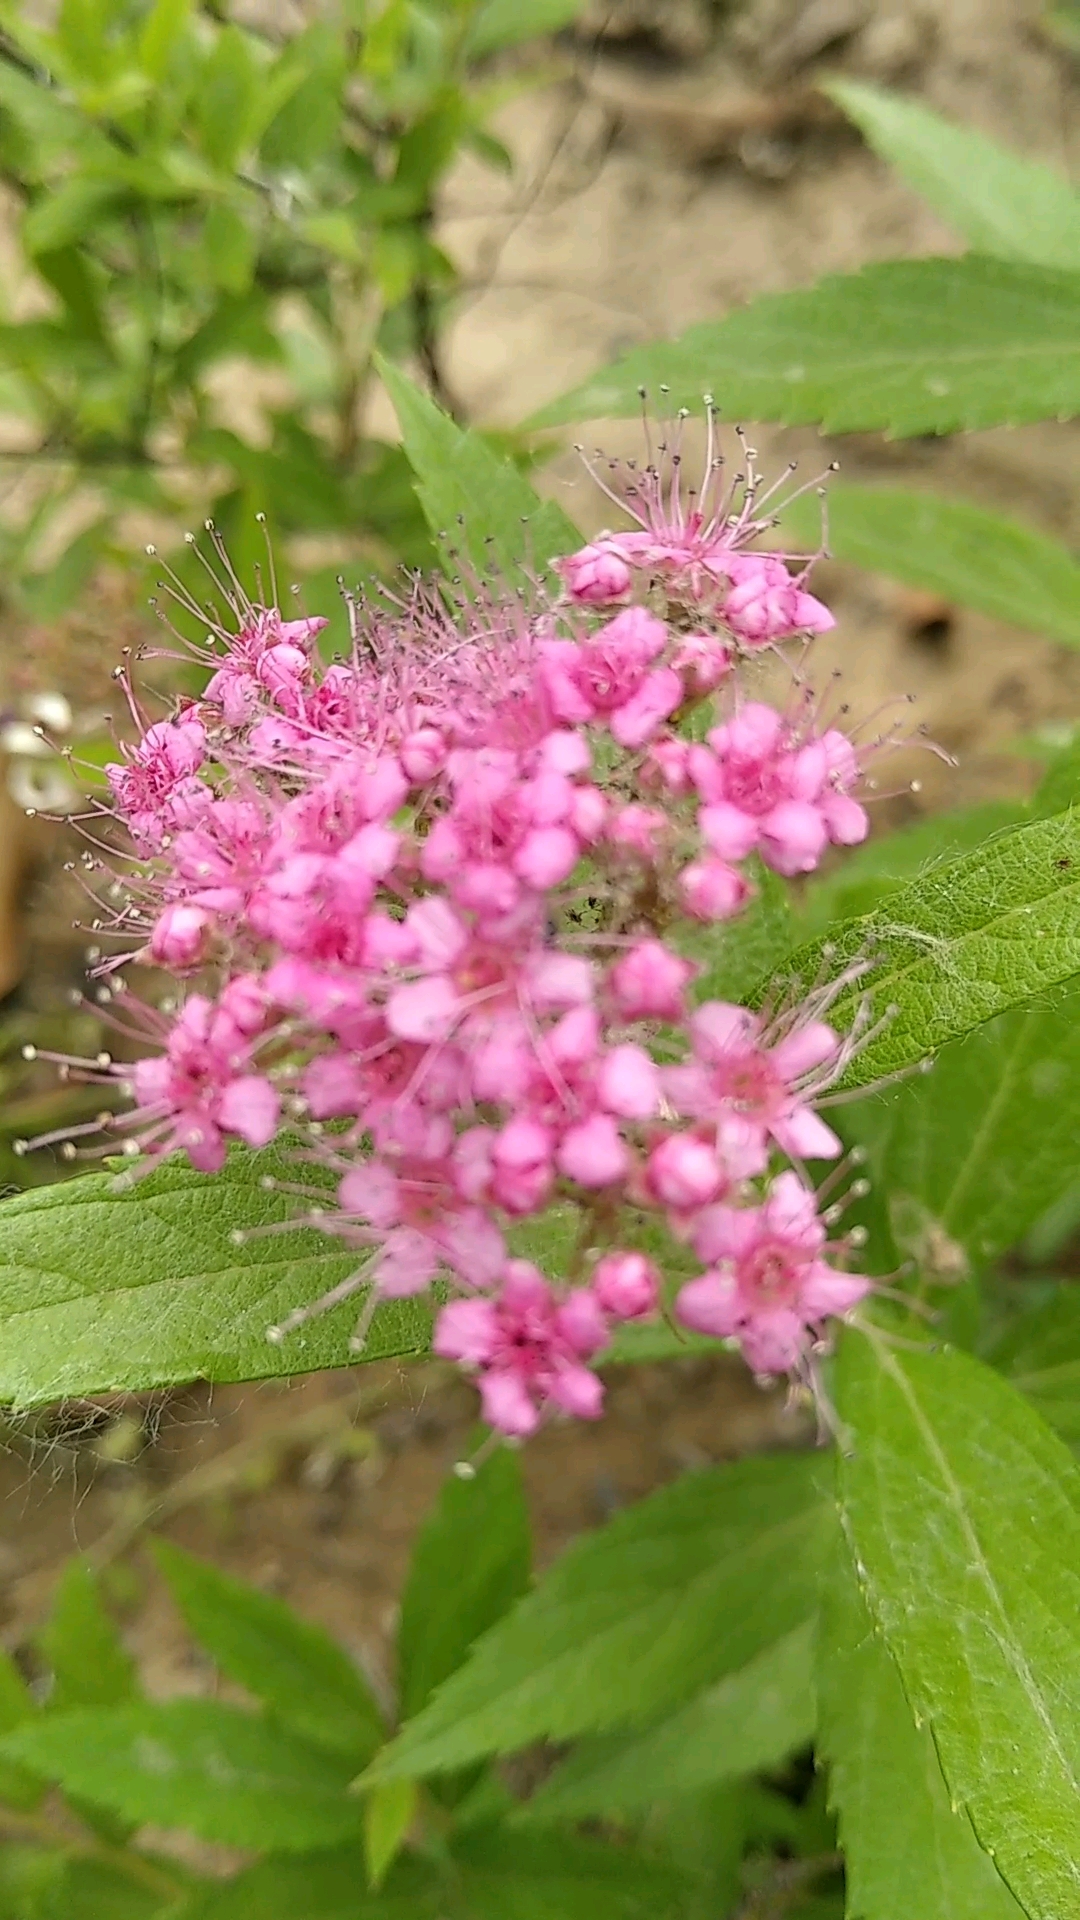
<point>438,910</point>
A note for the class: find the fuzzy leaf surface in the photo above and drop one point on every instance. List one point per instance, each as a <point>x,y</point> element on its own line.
<point>988,1141</point>
<point>676,1592</point>
<point>214,1770</point>
<point>905,1851</point>
<point>750,1721</point>
<point>968,940</point>
<point>302,1675</point>
<point>904,347</point>
<point>184,1302</point>
<point>962,1512</point>
<point>997,201</point>
<point>879,867</point>
<point>952,547</point>
<point>470,1563</point>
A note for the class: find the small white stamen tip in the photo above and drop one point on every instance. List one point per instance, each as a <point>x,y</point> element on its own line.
<point>267,1182</point>
<point>19,1148</point>
<point>29,1053</point>
<point>67,1151</point>
<point>275,1335</point>
<point>464,1470</point>
<point>103,1059</point>
<point>132,1149</point>
<point>238,1236</point>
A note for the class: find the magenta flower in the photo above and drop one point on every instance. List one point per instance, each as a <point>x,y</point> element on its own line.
<point>529,1349</point>
<point>738,1068</point>
<point>768,1285</point>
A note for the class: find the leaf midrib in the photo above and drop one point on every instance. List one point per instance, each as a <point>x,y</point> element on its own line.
<point>1006,1637</point>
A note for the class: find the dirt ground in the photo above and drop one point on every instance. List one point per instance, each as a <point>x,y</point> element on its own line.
<point>677,165</point>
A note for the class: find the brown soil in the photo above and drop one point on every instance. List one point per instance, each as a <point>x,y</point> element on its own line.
<point>681,166</point>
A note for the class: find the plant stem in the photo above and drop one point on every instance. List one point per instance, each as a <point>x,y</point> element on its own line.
<point>38,1827</point>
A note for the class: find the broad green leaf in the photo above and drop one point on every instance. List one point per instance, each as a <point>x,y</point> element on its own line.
<point>675,1593</point>
<point>214,1770</point>
<point>474,501</point>
<point>1059,788</point>
<point>230,247</point>
<point>503,23</point>
<point>907,1851</point>
<point>968,940</point>
<point>905,347</point>
<point>868,874</point>
<point>991,1138</point>
<point>951,547</point>
<point>539,1876</point>
<point>752,1720</point>
<point>185,1302</point>
<point>330,1885</point>
<point>962,1511</point>
<point>300,1673</point>
<point>227,97</point>
<point>997,201</point>
<point>1040,1352</point>
<point>389,1812</point>
<point>470,1563</point>
<point>82,1646</point>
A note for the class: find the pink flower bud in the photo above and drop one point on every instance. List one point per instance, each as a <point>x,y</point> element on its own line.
<point>595,576</point>
<point>648,982</point>
<point>180,936</point>
<point>626,1285</point>
<point>711,890</point>
<point>684,1172</point>
<point>423,755</point>
<point>594,1153</point>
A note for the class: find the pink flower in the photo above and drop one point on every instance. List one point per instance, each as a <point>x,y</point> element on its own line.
<point>765,604</point>
<point>157,790</point>
<point>713,890</point>
<point>684,1173</point>
<point>764,786</point>
<point>420,1225</point>
<point>739,1069</point>
<point>609,678</point>
<point>528,1349</point>
<point>769,1285</point>
<point>179,937</point>
<point>195,1093</point>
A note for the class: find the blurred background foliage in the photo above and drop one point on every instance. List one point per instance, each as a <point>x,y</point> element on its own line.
<point>200,202</point>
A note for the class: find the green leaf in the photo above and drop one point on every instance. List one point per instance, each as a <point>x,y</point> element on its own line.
<point>1059,787</point>
<point>163,30</point>
<point>186,1302</point>
<point>470,1563</point>
<point>69,276</point>
<point>907,1851</point>
<point>331,1885</point>
<point>676,1592</point>
<point>951,547</point>
<point>962,1510</point>
<point>61,218</point>
<point>539,1876</point>
<point>389,1812</point>
<point>301,1674</point>
<point>473,500</point>
<point>1040,1352</point>
<point>968,940</point>
<point>214,1770</point>
<point>989,1141</point>
<point>997,201</point>
<point>227,95</point>
<point>82,1646</point>
<point>17,1789</point>
<point>879,867</point>
<point>752,1720</point>
<point>504,23</point>
<point>230,247</point>
<point>907,347</point>
<point>55,1887</point>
